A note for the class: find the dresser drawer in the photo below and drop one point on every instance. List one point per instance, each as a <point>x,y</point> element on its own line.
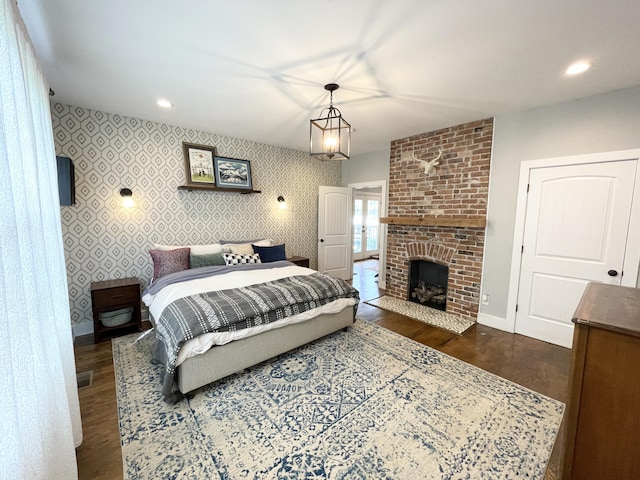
<point>115,296</point>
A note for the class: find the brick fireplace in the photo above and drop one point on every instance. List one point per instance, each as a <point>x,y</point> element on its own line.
<point>440,218</point>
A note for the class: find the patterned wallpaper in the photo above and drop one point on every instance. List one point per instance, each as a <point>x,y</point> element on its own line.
<point>103,240</point>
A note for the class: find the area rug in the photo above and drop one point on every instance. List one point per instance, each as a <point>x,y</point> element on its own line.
<point>437,318</point>
<point>361,404</point>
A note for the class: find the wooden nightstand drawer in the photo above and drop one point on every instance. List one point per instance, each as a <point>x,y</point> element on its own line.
<point>116,296</point>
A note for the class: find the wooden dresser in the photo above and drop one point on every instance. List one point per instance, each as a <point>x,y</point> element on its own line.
<point>603,416</point>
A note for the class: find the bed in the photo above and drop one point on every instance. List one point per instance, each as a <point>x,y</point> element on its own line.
<point>223,319</point>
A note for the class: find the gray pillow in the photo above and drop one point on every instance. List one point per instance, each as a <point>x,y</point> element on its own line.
<point>207,260</point>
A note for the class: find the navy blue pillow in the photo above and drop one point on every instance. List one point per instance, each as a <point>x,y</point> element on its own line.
<point>270,254</point>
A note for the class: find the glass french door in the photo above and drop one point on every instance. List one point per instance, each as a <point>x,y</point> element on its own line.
<point>366,226</point>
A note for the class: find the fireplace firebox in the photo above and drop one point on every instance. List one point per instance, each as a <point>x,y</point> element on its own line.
<point>428,284</point>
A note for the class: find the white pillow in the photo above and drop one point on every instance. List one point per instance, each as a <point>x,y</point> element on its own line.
<point>237,259</point>
<point>242,249</point>
<point>267,242</point>
<point>195,249</point>
<point>228,246</point>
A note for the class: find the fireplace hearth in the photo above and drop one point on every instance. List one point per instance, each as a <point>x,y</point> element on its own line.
<point>428,283</point>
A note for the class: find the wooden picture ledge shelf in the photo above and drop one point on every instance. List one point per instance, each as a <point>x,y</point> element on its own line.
<point>469,221</point>
<point>213,188</point>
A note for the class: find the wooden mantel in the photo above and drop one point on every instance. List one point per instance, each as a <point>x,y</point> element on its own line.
<point>468,221</point>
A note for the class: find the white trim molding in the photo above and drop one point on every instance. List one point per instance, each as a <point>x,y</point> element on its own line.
<point>494,322</point>
<point>82,328</point>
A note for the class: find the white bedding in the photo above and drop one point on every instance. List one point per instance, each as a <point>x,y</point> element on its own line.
<point>202,343</point>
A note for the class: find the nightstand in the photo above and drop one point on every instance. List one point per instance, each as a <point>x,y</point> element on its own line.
<point>111,295</point>
<point>302,261</point>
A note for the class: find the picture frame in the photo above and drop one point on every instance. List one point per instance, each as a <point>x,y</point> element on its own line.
<point>232,173</point>
<point>198,163</point>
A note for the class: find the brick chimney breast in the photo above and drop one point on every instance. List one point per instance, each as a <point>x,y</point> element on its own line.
<point>458,188</point>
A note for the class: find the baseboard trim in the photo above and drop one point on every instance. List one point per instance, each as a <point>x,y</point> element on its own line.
<point>83,328</point>
<point>494,322</point>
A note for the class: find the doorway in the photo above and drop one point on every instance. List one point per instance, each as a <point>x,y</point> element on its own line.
<point>371,242</point>
<point>576,217</point>
<point>366,224</point>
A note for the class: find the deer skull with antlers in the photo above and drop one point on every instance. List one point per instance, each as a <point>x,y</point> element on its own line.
<point>429,165</point>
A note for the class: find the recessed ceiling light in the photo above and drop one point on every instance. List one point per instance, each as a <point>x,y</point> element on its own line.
<point>578,68</point>
<point>164,103</point>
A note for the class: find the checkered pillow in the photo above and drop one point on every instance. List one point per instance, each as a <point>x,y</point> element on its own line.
<point>238,258</point>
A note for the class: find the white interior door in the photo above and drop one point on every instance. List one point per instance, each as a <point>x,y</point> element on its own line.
<point>366,226</point>
<point>334,231</point>
<point>576,229</point>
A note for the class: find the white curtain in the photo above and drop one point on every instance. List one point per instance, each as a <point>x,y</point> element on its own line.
<point>40,415</point>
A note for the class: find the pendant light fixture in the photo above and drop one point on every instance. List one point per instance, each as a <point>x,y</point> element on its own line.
<point>330,135</point>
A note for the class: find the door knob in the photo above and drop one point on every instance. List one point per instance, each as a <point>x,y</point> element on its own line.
<point>322,239</point>
<point>612,273</point>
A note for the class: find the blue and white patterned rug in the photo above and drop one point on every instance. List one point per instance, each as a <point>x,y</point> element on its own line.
<point>362,404</point>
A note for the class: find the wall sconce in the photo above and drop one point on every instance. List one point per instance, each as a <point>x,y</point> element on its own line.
<point>127,198</point>
<point>281,202</point>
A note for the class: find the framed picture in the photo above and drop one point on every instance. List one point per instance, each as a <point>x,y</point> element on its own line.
<point>232,173</point>
<point>198,163</point>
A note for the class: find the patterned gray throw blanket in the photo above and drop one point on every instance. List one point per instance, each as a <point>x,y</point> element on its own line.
<point>237,308</point>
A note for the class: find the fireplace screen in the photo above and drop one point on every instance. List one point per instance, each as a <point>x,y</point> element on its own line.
<point>428,284</point>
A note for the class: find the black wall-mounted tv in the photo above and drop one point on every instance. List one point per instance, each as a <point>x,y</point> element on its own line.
<point>66,181</point>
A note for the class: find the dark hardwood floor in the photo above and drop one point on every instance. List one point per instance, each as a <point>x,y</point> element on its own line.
<point>534,364</point>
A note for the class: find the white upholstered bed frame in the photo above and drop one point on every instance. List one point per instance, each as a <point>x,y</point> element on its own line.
<point>221,361</point>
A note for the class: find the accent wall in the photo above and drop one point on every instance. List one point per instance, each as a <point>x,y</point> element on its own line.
<point>104,240</point>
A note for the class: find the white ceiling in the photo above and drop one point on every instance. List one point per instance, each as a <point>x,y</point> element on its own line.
<point>256,68</point>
